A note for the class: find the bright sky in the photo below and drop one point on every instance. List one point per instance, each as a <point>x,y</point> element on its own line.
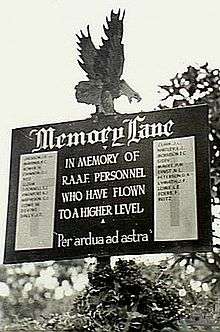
<point>38,67</point>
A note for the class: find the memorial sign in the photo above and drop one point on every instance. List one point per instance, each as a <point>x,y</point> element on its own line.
<point>126,184</point>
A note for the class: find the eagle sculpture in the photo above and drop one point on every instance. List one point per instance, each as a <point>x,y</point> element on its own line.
<point>104,67</point>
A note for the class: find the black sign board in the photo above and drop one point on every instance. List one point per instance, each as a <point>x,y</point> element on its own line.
<point>125,184</point>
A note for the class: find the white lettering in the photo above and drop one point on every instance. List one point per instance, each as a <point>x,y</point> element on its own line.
<point>134,132</point>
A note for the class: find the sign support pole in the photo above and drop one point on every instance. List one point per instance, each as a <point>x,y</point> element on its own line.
<point>103,261</point>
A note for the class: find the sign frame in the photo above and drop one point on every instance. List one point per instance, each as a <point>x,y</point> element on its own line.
<point>188,121</point>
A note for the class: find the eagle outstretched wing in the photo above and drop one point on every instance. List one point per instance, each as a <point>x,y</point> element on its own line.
<point>110,59</point>
<point>88,54</point>
<point>105,63</point>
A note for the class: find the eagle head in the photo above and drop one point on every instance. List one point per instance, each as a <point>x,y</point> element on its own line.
<point>127,91</point>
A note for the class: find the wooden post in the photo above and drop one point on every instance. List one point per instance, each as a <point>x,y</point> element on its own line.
<point>103,261</point>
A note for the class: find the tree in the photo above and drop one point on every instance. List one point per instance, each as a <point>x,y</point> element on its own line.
<point>199,85</point>
<point>124,299</point>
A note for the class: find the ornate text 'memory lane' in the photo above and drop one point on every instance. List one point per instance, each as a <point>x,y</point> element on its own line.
<point>133,132</point>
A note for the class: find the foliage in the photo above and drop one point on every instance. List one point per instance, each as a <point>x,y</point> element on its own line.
<point>199,85</point>
<point>123,299</point>
<point>126,300</point>
<point>26,290</point>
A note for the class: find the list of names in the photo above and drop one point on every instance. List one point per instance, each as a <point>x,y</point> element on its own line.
<point>36,199</point>
<point>175,208</point>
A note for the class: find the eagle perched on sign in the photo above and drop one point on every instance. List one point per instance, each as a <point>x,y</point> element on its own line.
<point>104,67</point>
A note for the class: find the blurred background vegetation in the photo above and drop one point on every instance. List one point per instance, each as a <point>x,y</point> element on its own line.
<point>34,290</point>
